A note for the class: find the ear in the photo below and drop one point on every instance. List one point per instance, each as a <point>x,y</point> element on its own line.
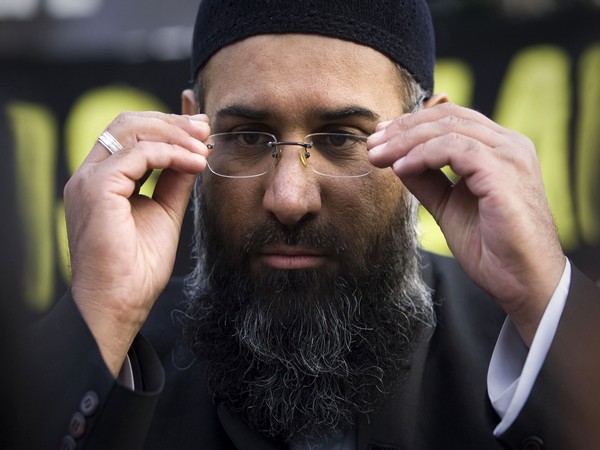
<point>189,105</point>
<point>436,99</point>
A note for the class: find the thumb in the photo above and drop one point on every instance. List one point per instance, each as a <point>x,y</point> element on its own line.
<point>173,191</point>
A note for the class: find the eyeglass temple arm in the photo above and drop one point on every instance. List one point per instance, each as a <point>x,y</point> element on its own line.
<point>418,104</point>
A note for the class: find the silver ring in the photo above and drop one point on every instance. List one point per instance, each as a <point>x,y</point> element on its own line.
<point>110,143</point>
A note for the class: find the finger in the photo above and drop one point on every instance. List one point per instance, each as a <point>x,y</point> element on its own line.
<point>432,188</point>
<point>149,125</point>
<point>130,128</point>
<point>395,141</point>
<point>465,156</point>
<point>450,109</point>
<point>173,191</point>
<point>121,172</point>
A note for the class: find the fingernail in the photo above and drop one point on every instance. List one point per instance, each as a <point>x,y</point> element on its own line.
<point>377,135</point>
<point>199,117</point>
<point>375,151</point>
<point>383,125</point>
<point>375,138</point>
<point>198,123</point>
<point>398,164</point>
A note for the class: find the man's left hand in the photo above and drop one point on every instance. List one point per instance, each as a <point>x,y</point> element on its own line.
<point>496,217</point>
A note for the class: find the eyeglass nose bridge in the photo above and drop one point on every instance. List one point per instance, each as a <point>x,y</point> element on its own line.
<point>277,150</point>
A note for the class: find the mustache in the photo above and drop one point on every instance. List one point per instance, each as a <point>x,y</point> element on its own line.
<point>322,236</point>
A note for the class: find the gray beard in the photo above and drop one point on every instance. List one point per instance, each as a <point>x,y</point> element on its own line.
<point>301,354</point>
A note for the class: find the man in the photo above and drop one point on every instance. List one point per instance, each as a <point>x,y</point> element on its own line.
<point>312,320</point>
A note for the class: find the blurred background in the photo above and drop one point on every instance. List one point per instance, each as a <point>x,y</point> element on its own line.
<point>68,67</point>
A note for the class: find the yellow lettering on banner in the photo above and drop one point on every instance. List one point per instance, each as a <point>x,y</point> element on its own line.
<point>455,78</point>
<point>62,241</point>
<point>35,144</point>
<point>535,100</point>
<point>588,146</point>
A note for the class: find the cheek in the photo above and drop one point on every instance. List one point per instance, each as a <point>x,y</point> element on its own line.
<point>369,205</point>
<point>388,193</point>
<point>234,206</point>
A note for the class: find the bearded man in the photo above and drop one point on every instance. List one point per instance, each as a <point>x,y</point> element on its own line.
<point>312,319</point>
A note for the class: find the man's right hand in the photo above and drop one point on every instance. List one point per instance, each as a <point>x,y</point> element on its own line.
<point>123,244</point>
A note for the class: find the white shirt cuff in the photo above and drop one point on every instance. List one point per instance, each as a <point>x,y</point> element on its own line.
<point>125,376</point>
<point>514,368</point>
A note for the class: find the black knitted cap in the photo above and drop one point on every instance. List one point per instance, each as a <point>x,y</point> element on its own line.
<point>400,29</point>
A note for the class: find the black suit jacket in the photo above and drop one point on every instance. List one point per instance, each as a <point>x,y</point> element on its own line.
<point>70,398</point>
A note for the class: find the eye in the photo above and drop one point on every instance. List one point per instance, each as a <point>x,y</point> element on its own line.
<point>240,144</point>
<point>250,138</point>
<point>337,140</point>
<point>340,146</point>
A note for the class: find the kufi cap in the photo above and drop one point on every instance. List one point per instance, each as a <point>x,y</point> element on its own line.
<point>400,29</point>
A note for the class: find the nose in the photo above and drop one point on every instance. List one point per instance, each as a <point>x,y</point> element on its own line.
<point>292,192</point>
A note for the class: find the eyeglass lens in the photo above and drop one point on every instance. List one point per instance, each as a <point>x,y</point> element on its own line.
<point>248,154</point>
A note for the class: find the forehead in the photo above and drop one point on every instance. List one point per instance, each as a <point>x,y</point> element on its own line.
<point>302,70</point>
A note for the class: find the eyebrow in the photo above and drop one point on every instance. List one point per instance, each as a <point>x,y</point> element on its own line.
<point>322,114</point>
<point>345,112</point>
<point>243,112</point>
